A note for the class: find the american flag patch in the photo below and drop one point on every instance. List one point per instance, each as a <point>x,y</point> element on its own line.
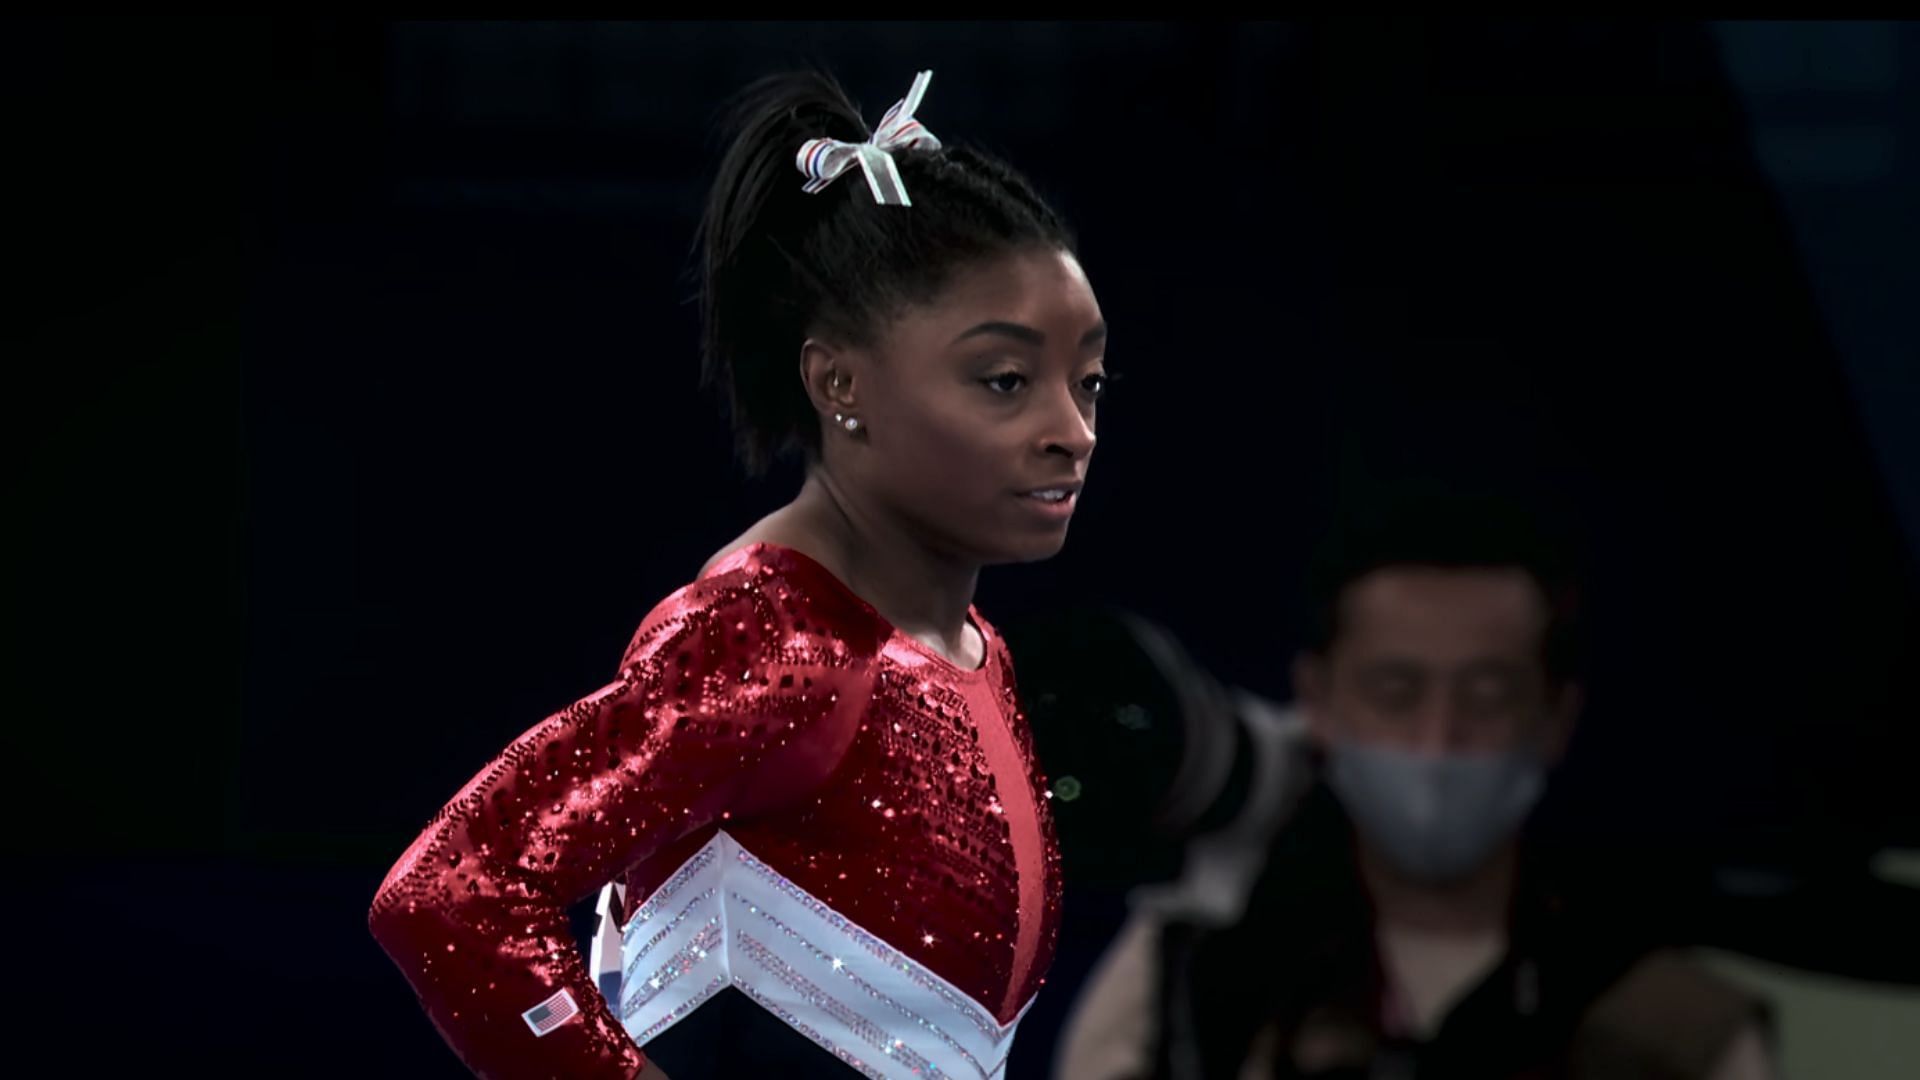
<point>551,1013</point>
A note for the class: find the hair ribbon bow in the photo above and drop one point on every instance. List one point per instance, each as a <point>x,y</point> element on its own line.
<point>823,160</point>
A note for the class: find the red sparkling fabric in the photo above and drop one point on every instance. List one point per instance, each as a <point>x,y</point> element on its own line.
<point>769,700</point>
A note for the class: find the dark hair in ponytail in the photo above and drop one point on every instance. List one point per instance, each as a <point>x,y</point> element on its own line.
<point>778,263</point>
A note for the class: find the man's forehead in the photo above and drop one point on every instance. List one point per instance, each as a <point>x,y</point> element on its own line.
<point>1473,602</point>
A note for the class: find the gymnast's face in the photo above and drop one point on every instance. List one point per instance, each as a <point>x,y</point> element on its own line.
<point>977,409</point>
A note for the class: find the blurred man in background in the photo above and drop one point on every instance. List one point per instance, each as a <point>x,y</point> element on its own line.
<point>1392,921</point>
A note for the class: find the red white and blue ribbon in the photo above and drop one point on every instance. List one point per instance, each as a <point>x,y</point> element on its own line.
<point>823,160</point>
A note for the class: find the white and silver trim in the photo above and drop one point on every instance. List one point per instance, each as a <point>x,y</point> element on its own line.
<point>726,918</point>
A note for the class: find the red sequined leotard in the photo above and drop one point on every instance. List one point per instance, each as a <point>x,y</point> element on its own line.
<point>767,700</point>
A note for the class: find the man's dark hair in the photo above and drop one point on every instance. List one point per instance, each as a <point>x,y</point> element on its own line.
<point>1421,527</point>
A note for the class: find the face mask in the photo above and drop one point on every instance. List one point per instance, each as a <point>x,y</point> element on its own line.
<point>1437,818</point>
